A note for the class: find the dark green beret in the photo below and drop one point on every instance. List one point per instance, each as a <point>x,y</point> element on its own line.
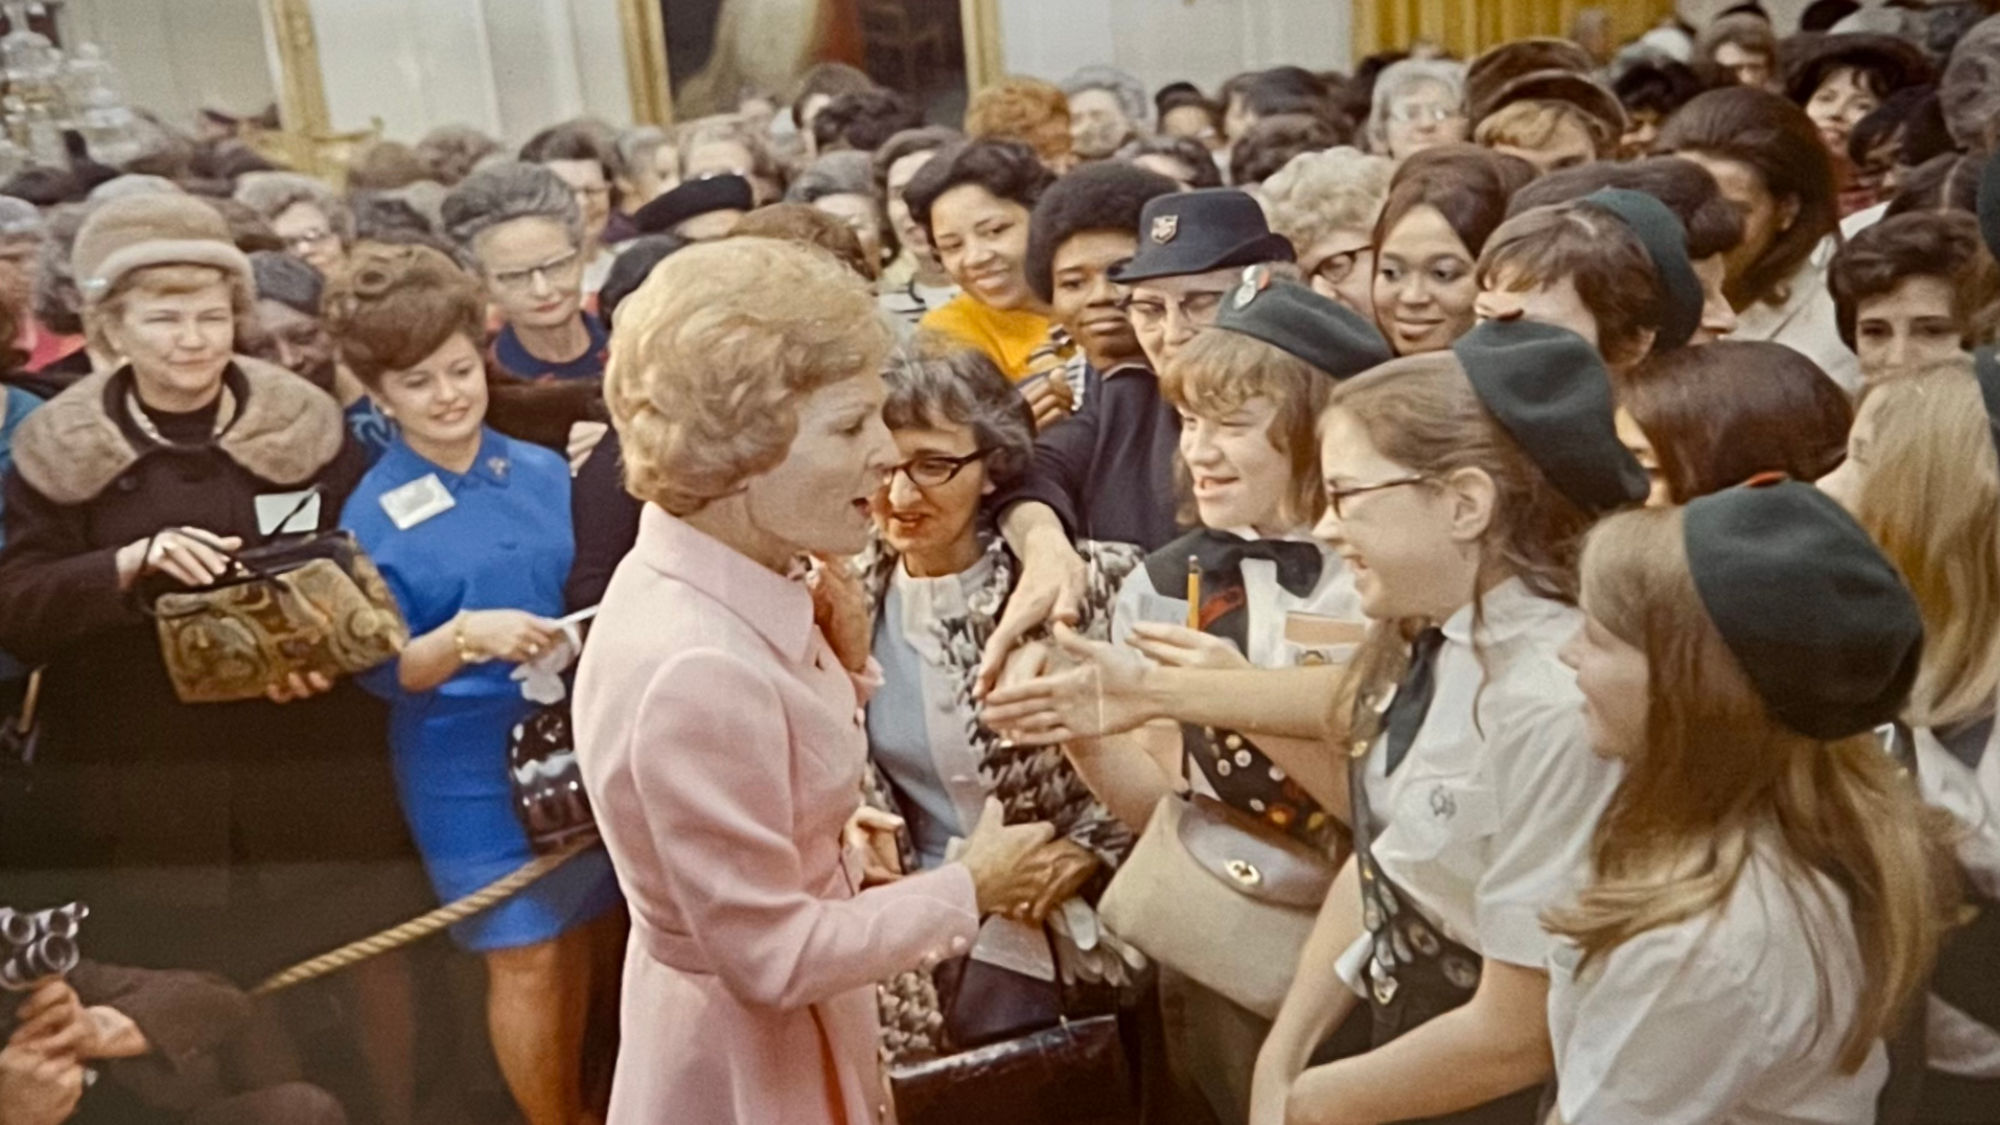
<point>1294,319</point>
<point>1989,204</point>
<point>1550,391</point>
<point>1665,239</point>
<point>1820,621</point>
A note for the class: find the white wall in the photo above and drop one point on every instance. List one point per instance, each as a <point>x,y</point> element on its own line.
<point>1161,41</point>
<point>509,67</point>
<point>178,56</point>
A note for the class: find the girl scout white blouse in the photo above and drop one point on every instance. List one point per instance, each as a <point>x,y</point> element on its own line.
<point>1487,821</point>
<point>1717,1019</point>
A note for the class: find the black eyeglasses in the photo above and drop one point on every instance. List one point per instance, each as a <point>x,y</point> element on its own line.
<point>934,470</point>
<point>1336,496</point>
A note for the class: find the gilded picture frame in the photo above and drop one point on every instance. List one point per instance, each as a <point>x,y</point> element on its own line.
<point>652,82</point>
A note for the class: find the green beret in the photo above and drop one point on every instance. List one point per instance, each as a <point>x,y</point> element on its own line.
<point>1665,239</point>
<point>1294,319</point>
<point>1989,204</point>
<point>1821,622</point>
<point>1549,390</point>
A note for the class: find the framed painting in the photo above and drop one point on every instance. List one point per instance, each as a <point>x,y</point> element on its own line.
<point>690,58</point>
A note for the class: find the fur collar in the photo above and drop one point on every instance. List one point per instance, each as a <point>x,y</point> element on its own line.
<point>284,430</point>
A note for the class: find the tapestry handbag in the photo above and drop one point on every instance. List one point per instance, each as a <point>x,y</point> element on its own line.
<point>312,603</point>
<point>1215,895</point>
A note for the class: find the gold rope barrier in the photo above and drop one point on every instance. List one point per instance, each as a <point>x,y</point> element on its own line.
<point>416,929</point>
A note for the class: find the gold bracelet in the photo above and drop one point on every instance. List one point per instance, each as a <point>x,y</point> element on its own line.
<point>458,642</point>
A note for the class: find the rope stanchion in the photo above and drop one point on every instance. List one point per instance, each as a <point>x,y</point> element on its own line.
<point>416,929</point>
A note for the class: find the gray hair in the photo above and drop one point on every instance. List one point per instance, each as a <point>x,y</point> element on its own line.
<point>941,383</point>
<point>637,145</point>
<point>1398,78</point>
<point>271,194</point>
<point>19,218</point>
<point>505,192</point>
<point>837,173</point>
<point>1969,92</point>
<point>1130,91</point>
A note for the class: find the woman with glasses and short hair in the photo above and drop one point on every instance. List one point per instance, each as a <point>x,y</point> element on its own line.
<point>315,225</point>
<point>519,224</point>
<point>1418,104</point>
<point>939,575</point>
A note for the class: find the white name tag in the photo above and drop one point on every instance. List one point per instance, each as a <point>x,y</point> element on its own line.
<point>288,513</point>
<point>417,501</point>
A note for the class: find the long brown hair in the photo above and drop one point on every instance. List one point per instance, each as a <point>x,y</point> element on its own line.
<point>1421,412</point>
<point>1724,412</point>
<point>1779,142</point>
<point>1719,773</point>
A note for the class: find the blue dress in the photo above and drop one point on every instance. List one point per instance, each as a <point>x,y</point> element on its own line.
<point>504,544</point>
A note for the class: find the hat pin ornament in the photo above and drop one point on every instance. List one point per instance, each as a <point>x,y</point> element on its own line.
<point>1256,279</point>
<point>1165,227</point>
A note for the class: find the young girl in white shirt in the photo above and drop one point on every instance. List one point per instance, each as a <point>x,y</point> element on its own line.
<point>1767,891</point>
<point>1249,392</point>
<point>1460,486</point>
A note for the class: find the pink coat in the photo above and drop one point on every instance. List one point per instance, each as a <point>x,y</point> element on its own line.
<point>722,745</point>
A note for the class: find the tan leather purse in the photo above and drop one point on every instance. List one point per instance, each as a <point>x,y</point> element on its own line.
<point>1216,895</point>
<point>313,605</point>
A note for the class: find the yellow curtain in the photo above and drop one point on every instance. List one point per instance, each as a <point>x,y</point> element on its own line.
<point>1466,27</point>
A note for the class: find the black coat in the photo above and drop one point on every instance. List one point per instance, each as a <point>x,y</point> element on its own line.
<point>1108,470</point>
<point>191,825</point>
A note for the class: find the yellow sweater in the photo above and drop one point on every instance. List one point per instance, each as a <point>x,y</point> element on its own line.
<point>1009,337</point>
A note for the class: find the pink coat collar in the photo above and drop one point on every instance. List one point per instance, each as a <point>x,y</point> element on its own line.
<point>778,608</point>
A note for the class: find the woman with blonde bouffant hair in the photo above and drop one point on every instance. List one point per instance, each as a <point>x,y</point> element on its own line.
<point>1765,881</point>
<point>716,709</point>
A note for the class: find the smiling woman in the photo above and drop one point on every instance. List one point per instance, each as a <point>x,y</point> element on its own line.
<point>1442,205</point>
<point>471,531</point>
<point>716,706</point>
<point>973,201</point>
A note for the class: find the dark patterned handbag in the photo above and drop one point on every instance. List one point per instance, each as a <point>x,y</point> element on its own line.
<point>549,798</point>
<point>312,603</point>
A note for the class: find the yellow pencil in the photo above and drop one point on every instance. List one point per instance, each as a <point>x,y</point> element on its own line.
<point>1194,592</point>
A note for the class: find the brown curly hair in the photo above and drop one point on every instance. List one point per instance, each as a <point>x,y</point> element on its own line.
<point>392,306</point>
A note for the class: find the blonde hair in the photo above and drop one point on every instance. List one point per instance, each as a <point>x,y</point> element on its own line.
<point>1931,499</point>
<point>706,368</point>
<point>1217,372</point>
<point>1530,123</point>
<point>1719,773</point>
<point>1317,193</point>
<point>169,280</point>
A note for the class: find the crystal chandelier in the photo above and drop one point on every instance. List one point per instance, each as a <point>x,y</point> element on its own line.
<point>48,93</point>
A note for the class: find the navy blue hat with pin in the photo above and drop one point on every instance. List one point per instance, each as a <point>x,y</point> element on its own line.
<point>1197,231</point>
<point>1820,621</point>
<point>1549,389</point>
<point>1294,319</point>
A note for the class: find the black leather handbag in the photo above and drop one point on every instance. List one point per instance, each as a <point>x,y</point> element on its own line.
<point>1074,1073</point>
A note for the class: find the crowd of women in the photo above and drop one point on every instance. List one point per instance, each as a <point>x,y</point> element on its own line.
<point>1467,591</point>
